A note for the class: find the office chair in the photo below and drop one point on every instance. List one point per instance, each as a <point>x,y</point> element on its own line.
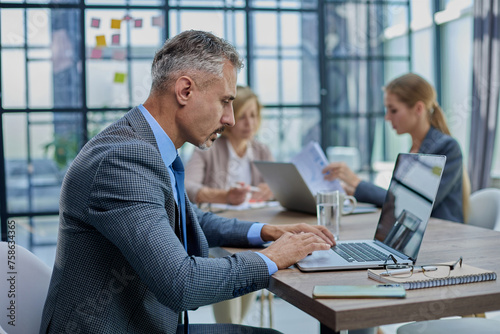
<point>455,326</point>
<point>485,208</point>
<point>349,155</point>
<point>29,283</point>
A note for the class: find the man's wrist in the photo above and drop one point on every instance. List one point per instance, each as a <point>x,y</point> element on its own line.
<point>269,233</point>
<point>271,266</point>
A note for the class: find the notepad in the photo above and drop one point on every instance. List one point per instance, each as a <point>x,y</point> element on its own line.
<point>460,275</point>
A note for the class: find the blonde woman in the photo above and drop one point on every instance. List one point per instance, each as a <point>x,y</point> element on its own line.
<point>412,108</point>
<point>225,173</point>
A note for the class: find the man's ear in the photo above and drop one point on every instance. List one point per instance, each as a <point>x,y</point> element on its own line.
<point>183,89</point>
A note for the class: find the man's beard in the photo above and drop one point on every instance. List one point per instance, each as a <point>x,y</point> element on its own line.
<point>203,146</point>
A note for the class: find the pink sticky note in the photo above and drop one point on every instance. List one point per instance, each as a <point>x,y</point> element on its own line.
<point>127,18</point>
<point>119,54</point>
<point>96,53</point>
<point>115,39</point>
<point>95,23</point>
<point>158,21</point>
<point>138,23</point>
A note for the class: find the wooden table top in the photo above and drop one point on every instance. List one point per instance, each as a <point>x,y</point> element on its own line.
<point>443,241</point>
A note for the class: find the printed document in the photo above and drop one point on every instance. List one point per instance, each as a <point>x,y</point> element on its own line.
<point>310,163</point>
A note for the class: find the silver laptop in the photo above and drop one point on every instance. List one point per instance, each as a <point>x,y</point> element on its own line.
<point>291,190</point>
<point>403,220</point>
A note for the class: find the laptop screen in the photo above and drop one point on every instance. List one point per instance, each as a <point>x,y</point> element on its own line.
<point>409,202</point>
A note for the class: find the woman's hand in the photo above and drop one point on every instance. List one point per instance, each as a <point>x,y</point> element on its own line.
<point>237,195</point>
<point>339,170</point>
<point>264,194</point>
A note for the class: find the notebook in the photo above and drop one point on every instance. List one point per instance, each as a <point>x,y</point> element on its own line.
<point>290,188</point>
<point>402,223</point>
<point>459,275</point>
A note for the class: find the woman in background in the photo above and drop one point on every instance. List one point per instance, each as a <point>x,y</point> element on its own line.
<point>225,173</point>
<point>412,108</point>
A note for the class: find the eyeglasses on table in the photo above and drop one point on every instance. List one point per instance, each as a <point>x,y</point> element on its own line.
<point>401,270</point>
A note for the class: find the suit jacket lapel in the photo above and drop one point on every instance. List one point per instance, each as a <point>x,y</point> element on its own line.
<point>141,126</point>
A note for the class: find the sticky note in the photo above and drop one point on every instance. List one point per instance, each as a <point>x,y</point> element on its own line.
<point>127,18</point>
<point>119,54</point>
<point>138,23</point>
<point>120,77</point>
<point>157,21</point>
<point>100,40</point>
<point>96,53</point>
<point>437,170</point>
<point>115,39</point>
<point>116,24</point>
<point>95,23</point>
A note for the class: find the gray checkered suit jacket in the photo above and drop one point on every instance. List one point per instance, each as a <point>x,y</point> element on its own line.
<point>120,267</point>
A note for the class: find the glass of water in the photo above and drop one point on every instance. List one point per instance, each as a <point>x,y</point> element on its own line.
<point>328,210</point>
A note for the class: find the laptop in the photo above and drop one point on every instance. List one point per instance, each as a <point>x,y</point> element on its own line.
<point>403,220</point>
<point>292,191</point>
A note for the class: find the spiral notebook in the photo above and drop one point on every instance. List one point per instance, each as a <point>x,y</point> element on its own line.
<point>459,275</point>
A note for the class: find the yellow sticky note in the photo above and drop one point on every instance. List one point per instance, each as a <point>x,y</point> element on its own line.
<point>100,40</point>
<point>120,77</point>
<point>116,24</point>
<point>437,170</point>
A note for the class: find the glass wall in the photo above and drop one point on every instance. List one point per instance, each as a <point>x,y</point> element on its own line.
<point>366,44</point>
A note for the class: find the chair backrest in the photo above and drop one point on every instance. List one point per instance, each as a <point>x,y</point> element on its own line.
<point>485,208</point>
<point>465,194</point>
<point>25,282</point>
<point>349,155</point>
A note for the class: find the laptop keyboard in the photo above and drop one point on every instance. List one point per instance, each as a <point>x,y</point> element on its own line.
<point>359,252</point>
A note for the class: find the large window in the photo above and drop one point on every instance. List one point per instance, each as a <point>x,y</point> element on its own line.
<point>365,45</point>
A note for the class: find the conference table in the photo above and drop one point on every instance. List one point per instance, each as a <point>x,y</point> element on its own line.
<point>444,241</point>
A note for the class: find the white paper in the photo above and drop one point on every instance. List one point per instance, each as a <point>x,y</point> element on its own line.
<point>244,206</point>
<point>310,163</point>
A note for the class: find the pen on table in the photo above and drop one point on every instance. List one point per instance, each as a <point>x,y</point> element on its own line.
<point>252,188</point>
<point>407,270</point>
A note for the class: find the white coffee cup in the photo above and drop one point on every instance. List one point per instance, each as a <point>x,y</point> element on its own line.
<point>345,199</point>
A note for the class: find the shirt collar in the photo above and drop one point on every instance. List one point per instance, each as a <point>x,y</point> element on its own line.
<point>165,144</point>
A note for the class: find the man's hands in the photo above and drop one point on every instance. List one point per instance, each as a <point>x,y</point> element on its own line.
<point>294,242</point>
